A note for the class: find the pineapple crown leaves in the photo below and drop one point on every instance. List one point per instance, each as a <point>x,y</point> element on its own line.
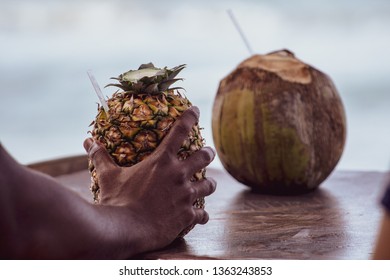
<point>148,79</point>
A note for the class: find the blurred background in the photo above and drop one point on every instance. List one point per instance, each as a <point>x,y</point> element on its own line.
<point>46,47</point>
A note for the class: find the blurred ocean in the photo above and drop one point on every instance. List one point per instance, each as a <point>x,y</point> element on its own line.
<point>47,101</point>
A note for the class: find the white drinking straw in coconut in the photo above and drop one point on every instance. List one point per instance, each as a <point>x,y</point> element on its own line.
<point>243,37</point>
<point>98,91</point>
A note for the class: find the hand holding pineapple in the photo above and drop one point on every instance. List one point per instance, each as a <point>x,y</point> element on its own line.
<point>143,207</point>
<point>138,117</point>
<point>157,194</point>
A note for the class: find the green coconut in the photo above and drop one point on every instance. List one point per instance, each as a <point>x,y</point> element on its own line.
<point>278,124</point>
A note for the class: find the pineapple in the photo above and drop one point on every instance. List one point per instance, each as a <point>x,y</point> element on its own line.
<point>140,115</point>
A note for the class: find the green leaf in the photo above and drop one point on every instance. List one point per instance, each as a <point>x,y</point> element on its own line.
<point>166,84</point>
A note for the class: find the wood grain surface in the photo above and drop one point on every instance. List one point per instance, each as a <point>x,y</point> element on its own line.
<point>339,220</point>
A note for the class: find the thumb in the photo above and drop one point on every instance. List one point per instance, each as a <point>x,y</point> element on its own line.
<point>98,154</point>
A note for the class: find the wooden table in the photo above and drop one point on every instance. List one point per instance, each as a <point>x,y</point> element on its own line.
<point>340,220</point>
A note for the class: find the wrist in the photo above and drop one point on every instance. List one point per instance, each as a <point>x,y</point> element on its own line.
<point>119,232</point>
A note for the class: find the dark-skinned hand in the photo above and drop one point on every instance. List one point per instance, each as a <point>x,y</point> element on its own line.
<point>157,191</point>
<point>143,207</point>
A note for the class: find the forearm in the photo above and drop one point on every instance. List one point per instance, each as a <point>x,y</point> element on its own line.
<point>41,219</point>
<point>143,207</point>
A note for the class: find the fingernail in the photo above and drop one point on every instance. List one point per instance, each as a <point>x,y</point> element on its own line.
<point>87,144</point>
<point>195,110</point>
<point>205,218</point>
<point>213,183</point>
<point>211,153</point>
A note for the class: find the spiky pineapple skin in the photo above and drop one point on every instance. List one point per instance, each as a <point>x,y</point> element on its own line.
<point>135,126</point>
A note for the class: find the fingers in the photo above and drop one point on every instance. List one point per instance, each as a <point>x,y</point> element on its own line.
<point>201,216</point>
<point>203,188</point>
<point>98,154</point>
<point>180,130</point>
<point>200,159</point>
<point>199,189</point>
<point>87,144</point>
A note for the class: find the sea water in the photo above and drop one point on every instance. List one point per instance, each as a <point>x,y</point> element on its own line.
<point>46,48</point>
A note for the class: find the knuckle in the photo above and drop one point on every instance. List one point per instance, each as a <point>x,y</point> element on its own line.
<point>106,174</point>
<point>162,154</point>
<point>94,149</point>
<point>189,215</point>
<point>192,193</point>
<point>180,176</point>
<point>182,128</point>
<point>98,152</point>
